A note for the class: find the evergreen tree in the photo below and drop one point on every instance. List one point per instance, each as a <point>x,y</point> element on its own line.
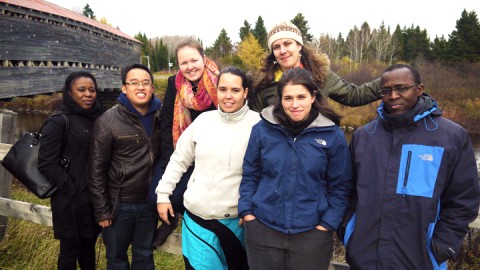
<point>260,32</point>
<point>162,54</point>
<point>415,43</point>
<point>222,46</point>
<point>145,50</point>
<point>395,50</point>
<point>302,25</point>
<point>464,42</point>
<point>154,60</point>
<point>339,50</point>
<point>145,43</point>
<point>245,30</point>
<point>439,49</point>
<point>88,12</point>
<point>159,55</point>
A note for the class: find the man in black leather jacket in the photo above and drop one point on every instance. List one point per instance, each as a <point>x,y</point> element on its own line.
<point>124,147</point>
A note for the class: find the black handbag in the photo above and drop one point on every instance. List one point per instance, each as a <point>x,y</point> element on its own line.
<point>22,159</point>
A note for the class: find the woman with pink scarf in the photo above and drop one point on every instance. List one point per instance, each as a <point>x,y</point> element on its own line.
<point>189,93</point>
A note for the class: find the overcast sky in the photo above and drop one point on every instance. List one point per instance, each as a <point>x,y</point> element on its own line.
<point>206,18</point>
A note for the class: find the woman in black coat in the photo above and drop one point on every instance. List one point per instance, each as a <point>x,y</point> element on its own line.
<point>73,221</point>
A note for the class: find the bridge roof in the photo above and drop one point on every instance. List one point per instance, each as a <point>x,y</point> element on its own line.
<point>47,7</point>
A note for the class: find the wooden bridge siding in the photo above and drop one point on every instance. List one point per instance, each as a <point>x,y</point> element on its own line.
<point>22,39</point>
<point>26,81</point>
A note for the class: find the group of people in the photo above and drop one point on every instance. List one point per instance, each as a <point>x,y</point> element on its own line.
<point>258,168</point>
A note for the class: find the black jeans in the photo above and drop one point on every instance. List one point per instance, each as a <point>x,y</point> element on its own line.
<point>72,251</point>
<point>270,249</point>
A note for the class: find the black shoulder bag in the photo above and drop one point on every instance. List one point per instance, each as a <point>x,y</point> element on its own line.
<point>22,159</point>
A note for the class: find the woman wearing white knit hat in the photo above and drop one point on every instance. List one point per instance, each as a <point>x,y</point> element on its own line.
<point>287,51</point>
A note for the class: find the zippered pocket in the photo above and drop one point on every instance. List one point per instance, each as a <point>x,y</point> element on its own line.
<point>132,137</point>
<point>419,166</point>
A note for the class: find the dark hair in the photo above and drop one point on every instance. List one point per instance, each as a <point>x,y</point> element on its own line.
<point>67,87</point>
<point>413,71</point>
<point>246,79</point>
<point>135,66</point>
<point>189,43</point>
<point>300,76</point>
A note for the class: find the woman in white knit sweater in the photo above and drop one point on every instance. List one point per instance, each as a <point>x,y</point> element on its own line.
<point>212,237</point>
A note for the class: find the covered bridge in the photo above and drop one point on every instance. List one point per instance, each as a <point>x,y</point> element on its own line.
<point>41,43</point>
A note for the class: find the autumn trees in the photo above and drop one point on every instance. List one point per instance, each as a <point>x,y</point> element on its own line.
<point>362,45</point>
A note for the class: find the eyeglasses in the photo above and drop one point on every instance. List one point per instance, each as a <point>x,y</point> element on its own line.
<point>137,84</point>
<point>399,89</point>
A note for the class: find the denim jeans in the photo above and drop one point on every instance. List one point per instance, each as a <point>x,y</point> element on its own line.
<point>134,224</point>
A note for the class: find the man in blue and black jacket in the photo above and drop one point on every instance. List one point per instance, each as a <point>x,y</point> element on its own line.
<point>416,182</point>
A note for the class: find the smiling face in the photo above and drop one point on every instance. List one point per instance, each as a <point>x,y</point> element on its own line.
<point>139,96</point>
<point>230,92</point>
<point>287,53</point>
<point>297,102</point>
<point>191,63</point>
<point>400,103</point>
<point>83,92</point>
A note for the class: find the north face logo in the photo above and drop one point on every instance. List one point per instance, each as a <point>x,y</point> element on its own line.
<point>320,141</point>
<point>426,157</point>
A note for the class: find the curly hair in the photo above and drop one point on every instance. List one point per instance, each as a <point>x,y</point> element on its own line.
<point>317,63</point>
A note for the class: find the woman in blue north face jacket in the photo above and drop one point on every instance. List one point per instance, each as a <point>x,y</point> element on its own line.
<point>297,179</point>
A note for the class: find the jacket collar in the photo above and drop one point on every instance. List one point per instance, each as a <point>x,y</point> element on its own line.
<point>235,116</point>
<point>320,121</point>
<point>425,106</point>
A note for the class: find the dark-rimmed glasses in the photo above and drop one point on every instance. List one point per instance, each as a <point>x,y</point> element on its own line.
<point>137,84</point>
<point>399,89</point>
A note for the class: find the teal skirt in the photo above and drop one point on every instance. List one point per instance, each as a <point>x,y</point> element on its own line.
<point>213,244</point>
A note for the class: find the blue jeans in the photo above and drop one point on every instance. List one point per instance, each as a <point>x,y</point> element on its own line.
<point>134,224</point>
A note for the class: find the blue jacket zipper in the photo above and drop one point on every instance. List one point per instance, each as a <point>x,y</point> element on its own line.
<point>407,170</point>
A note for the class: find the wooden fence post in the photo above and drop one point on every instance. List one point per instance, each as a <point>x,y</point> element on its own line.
<point>8,126</point>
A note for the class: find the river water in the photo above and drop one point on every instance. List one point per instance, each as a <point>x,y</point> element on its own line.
<point>32,122</point>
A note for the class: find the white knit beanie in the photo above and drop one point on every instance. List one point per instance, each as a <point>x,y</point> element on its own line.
<point>284,30</point>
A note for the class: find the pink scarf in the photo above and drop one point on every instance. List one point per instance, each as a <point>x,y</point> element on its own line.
<point>186,99</point>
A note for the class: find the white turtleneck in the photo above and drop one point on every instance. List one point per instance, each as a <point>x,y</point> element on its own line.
<point>216,141</point>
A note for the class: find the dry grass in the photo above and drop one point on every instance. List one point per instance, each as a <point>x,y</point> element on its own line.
<point>30,246</point>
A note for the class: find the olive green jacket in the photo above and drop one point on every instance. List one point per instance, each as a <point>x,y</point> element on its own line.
<point>335,88</point>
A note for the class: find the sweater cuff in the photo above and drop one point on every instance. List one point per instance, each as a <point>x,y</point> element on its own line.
<point>162,198</point>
